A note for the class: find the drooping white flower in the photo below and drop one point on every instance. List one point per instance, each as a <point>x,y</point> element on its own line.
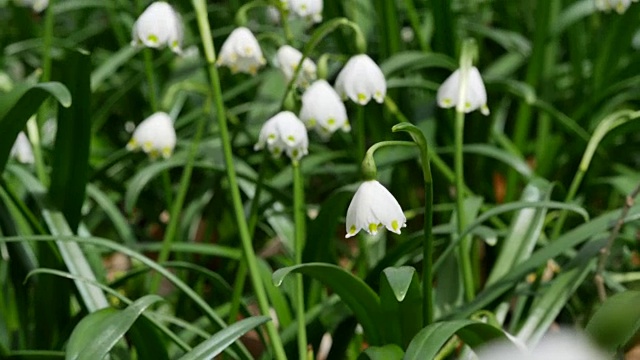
<point>241,52</point>
<point>564,345</point>
<point>323,110</point>
<point>288,59</point>
<point>22,150</point>
<point>158,26</point>
<point>36,5</point>
<point>374,206</point>
<point>155,135</point>
<point>620,6</point>
<point>284,132</point>
<point>360,80</point>
<point>475,96</point>
<point>308,9</point>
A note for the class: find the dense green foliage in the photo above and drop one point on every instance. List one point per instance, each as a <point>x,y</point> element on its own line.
<point>517,220</point>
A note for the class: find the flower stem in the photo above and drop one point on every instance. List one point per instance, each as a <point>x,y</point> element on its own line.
<point>176,206</point>
<point>299,214</point>
<point>427,243</point>
<point>241,275</point>
<point>414,20</point>
<point>33,124</point>
<point>464,249</point>
<point>245,238</point>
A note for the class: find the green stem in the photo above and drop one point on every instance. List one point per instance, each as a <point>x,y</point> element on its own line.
<point>33,125</point>
<point>245,238</point>
<point>284,18</point>
<point>427,243</point>
<point>241,275</point>
<point>464,249</point>
<point>176,207</point>
<point>151,80</point>
<point>361,143</point>
<point>299,214</point>
<point>166,184</point>
<point>444,26</point>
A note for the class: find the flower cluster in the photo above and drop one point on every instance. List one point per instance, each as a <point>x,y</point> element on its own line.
<point>288,59</point>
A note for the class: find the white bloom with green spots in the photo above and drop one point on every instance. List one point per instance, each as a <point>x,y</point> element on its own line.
<point>308,9</point>
<point>241,52</point>
<point>475,95</point>
<point>620,6</point>
<point>36,5</point>
<point>323,110</point>
<point>360,80</point>
<point>155,136</point>
<point>373,207</point>
<point>158,26</point>
<point>288,59</point>
<point>284,132</point>
<point>22,150</point>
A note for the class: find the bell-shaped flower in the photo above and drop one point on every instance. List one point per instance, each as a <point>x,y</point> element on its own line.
<point>288,59</point>
<point>159,26</point>
<point>284,132</point>
<point>323,110</point>
<point>241,52</point>
<point>565,345</point>
<point>36,5</point>
<point>475,96</point>
<point>155,136</point>
<point>372,207</point>
<point>22,150</point>
<point>360,80</point>
<point>620,6</point>
<point>308,9</point>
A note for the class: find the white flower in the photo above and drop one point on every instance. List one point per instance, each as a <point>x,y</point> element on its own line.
<point>155,135</point>
<point>284,132</point>
<point>475,96</point>
<point>619,5</point>
<point>22,150</point>
<point>374,206</point>
<point>360,80</point>
<point>36,5</point>
<point>288,59</point>
<point>563,345</point>
<point>323,110</point>
<point>308,9</point>
<point>241,52</point>
<point>159,26</point>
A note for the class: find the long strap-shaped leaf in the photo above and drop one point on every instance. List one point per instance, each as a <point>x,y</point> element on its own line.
<point>222,339</point>
<point>18,105</point>
<point>427,343</point>
<point>357,295</point>
<point>97,333</point>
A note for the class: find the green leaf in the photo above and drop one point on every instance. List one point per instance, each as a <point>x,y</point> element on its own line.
<point>70,159</point>
<point>357,295</point>
<point>617,321</point>
<point>97,333</point>
<point>146,339</point>
<point>223,338</point>
<point>17,106</point>
<point>429,340</point>
<point>401,303</point>
<point>412,60</point>
<point>524,231</point>
<point>569,240</point>
<point>387,352</point>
